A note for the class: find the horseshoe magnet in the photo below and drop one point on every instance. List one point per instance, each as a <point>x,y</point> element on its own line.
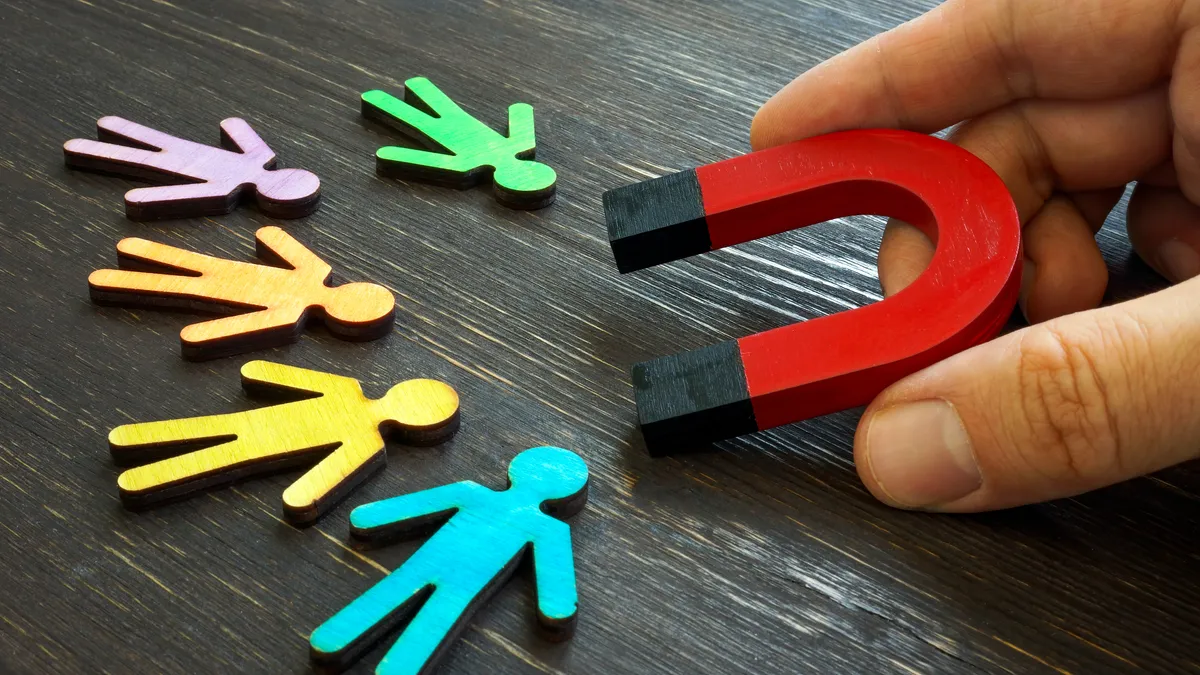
<point>834,362</point>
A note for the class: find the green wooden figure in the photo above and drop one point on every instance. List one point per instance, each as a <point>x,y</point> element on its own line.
<point>462,150</point>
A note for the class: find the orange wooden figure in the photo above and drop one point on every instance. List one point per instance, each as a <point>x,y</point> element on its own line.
<point>272,302</point>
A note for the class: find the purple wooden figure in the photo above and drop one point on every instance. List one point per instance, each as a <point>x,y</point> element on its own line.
<point>208,180</point>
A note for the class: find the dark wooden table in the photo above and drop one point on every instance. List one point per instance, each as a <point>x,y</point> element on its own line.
<point>764,557</point>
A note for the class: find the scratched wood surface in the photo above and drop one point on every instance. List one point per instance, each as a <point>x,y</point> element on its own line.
<point>766,557</point>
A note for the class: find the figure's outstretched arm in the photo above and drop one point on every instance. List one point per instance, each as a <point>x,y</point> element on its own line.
<point>333,478</point>
<point>520,127</point>
<point>236,133</point>
<point>243,332</point>
<point>271,377</point>
<point>275,245</point>
<point>413,512</point>
<point>554,574</point>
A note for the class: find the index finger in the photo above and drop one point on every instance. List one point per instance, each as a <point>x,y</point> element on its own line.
<point>967,57</point>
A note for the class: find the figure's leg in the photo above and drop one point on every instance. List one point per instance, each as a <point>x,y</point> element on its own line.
<point>132,288</point>
<point>241,333</point>
<point>427,636</point>
<point>331,479</point>
<point>386,109</point>
<point>177,201</point>
<point>140,283</point>
<point>346,635</point>
<point>83,153</point>
<point>138,443</point>
<point>143,161</point>
<point>434,167</point>
<point>120,160</point>
<point>177,476</point>
<point>119,128</point>
<point>137,254</point>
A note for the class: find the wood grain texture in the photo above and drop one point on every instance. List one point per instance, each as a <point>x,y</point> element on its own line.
<point>213,180</point>
<point>271,304</point>
<point>767,557</point>
<point>335,427</point>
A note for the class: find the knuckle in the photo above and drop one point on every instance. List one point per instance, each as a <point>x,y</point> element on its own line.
<point>1065,399</point>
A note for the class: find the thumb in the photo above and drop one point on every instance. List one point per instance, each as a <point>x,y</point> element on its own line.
<point>1053,410</point>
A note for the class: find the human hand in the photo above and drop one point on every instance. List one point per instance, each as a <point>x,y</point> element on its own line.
<point>1068,102</point>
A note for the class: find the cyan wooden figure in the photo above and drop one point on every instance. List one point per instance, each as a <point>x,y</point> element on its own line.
<point>485,535</point>
<point>462,150</point>
<point>202,180</point>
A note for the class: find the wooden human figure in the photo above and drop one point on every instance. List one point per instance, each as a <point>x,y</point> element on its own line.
<point>334,426</point>
<point>485,535</point>
<point>203,180</point>
<point>274,302</point>
<point>464,150</point>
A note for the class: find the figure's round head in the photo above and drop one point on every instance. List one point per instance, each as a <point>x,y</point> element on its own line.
<point>550,473</point>
<point>524,176</point>
<point>288,186</point>
<point>422,410</point>
<point>359,304</point>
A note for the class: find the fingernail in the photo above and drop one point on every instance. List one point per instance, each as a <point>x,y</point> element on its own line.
<point>920,454</point>
<point>1178,260</point>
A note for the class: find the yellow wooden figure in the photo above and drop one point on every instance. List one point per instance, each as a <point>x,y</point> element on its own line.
<point>334,420</point>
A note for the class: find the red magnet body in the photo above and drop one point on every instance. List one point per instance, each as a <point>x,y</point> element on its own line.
<point>835,362</point>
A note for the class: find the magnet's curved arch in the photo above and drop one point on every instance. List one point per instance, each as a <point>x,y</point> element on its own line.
<point>843,360</point>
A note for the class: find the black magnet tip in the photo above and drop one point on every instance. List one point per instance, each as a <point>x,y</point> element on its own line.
<point>692,399</point>
<point>656,221</point>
